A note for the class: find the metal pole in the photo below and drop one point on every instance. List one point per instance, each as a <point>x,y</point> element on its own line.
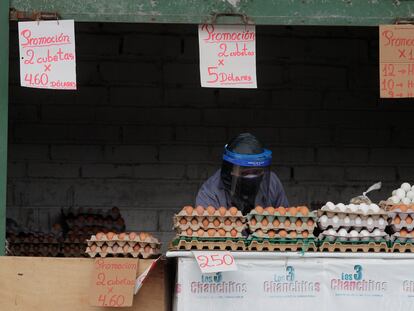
<point>4,101</point>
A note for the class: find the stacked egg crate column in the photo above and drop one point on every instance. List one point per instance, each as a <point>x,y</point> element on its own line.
<point>281,229</point>
<point>402,227</point>
<point>353,228</point>
<point>209,228</point>
<point>142,245</point>
<point>34,244</point>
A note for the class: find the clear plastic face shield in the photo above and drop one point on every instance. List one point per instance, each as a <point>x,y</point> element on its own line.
<point>250,179</point>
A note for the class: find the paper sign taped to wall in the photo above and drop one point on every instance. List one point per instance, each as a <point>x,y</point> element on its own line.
<point>47,55</point>
<point>227,56</point>
<point>113,282</point>
<point>396,61</point>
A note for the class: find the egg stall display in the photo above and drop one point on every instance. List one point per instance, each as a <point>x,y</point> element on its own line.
<point>209,228</point>
<point>281,229</point>
<point>402,227</point>
<point>403,195</point>
<point>352,228</point>
<point>133,244</point>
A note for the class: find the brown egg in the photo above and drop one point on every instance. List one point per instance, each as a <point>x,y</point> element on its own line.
<point>310,222</point>
<point>216,222</point>
<point>233,233</point>
<point>211,210</point>
<point>227,222</point>
<point>287,223</point>
<point>397,220</point>
<point>265,222</point>
<point>188,210</point>
<point>189,232</point>
<point>136,248</point>
<point>222,211</point>
<point>143,236</point>
<point>115,247</point>
<point>259,210</point>
<point>304,210</point>
<point>239,223</point>
<point>305,234</point>
<point>221,232</point>
<point>408,220</point>
<point>132,236</point>
<point>104,248</point>
<point>293,234</point>
<point>253,221</point>
<point>200,210</point>
<point>99,236</point>
<point>283,233</point>
<point>259,233</point>
<point>293,211</point>
<point>194,221</point>
<point>403,208</point>
<point>211,232</point>
<point>147,249</point>
<point>271,234</point>
<point>270,210</point>
<point>200,232</point>
<point>276,222</point>
<point>403,232</point>
<point>93,247</point>
<point>205,222</point>
<point>233,211</point>
<point>183,221</point>
<point>282,210</point>
<point>298,223</point>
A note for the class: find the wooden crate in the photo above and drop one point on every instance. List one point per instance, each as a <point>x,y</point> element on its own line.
<point>47,284</point>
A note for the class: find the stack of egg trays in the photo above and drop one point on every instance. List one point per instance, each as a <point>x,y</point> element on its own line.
<point>396,236</point>
<point>281,226</point>
<point>181,229</point>
<point>380,221</point>
<point>45,245</point>
<point>123,248</point>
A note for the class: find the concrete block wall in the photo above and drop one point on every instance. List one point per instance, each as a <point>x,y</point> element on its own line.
<point>142,135</point>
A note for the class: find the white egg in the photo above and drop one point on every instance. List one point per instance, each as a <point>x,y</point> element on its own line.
<point>324,208</point>
<point>331,232</point>
<point>364,233</point>
<point>358,221</point>
<point>377,232</point>
<point>395,199</point>
<point>330,206</point>
<point>400,193</point>
<point>364,209</point>
<point>374,208</point>
<point>342,232</point>
<point>347,220</point>
<point>353,208</point>
<point>410,194</point>
<point>406,187</point>
<point>406,201</point>
<point>394,192</point>
<point>323,219</point>
<point>341,207</point>
<point>354,234</point>
<point>370,221</point>
<point>335,219</point>
<point>381,221</point>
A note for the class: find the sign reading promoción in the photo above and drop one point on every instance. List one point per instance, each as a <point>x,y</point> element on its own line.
<point>227,56</point>
<point>47,55</point>
<point>113,282</point>
<point>215,261</point>
<point>396,61</point>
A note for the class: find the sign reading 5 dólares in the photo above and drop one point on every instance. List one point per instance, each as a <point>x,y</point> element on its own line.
<point>47,55</point>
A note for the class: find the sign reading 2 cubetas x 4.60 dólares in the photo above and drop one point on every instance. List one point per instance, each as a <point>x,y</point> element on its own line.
<point>47,55</point>
<point>227,56</point>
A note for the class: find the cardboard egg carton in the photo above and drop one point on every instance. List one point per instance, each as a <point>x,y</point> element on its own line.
<point>401,224</point>
<point>344,247</point>
<point>211,233</point>
<point>293,213</point>
<point>208,244</point>
<point>282,225</point>
<point>402,247</point>
<point>352,215</point>
<point>123,238</point>
<point>206,223</point>
<point>200,211</point>
<point>403,238</point>
<point>326,236</point>
<point>402,211</point>
<point>276,234</point>
<point>358,223</point>
<point>263,245</point>
<point>122,251</point>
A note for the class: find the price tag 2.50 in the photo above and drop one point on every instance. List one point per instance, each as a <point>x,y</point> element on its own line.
<point>214,261</point>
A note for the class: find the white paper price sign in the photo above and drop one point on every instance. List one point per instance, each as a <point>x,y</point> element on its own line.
<point>215,261</point>
<point>227,56</point>
<point>47,55</point>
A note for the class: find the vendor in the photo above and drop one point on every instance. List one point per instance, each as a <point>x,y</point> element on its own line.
<point>245,179</point>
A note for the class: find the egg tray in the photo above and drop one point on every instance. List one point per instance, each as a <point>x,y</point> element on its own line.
<point>292,227</point>
<point>354,247</point>
<point>216,214</point>
<point>352,216</point>
<point>389,205</point>
<point>334,238</point>
<point>404,239</point>
<point>180,227</point>
<point>403,215</point>
<point>281,218</point>
<point>150,240</point>
<point>277,236</point>
<point>216,235</point>
<point>401,247</point>
<point>402,225</point>
<point>232,219</point>
<point>122,243</point>
<point>110,253</point>
<point>223,244</point>
<point>363,225</point>
<point>282,245</point>
<point>40,242</point>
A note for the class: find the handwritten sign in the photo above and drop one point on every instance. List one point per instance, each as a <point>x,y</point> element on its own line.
<point>113,282</point>
<point>227,56</point>
<point>47,55</point>
<point>396,61</point>
<point>211,262</point>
